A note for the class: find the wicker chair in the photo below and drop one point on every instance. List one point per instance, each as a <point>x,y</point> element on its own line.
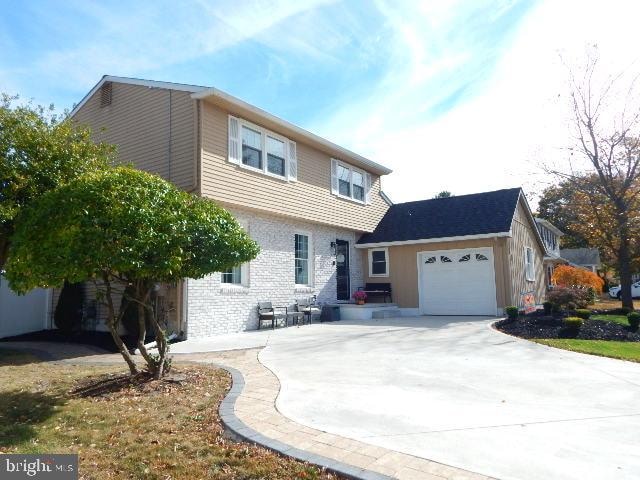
<point>268,313</point>
<point>308,308</point>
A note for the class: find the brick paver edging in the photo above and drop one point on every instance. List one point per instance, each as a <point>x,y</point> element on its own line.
<point>247,434</point>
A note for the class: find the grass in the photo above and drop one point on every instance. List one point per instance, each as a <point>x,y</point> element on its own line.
<point>604,348</point>
<point>621,319</point>
<point>152,430</point>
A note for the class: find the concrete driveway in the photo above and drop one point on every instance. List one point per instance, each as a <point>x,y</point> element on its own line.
<point>453,390</point>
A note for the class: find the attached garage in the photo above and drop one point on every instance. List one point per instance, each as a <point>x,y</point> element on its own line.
<point>462,255</point>
<point>457,282</point>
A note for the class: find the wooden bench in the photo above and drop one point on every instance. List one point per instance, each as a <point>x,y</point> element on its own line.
<point>377,289</point>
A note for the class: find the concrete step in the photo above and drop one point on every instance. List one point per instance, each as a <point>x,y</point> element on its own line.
<point>386,313</point>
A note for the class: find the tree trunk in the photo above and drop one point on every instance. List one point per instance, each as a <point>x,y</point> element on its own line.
<point>142,294</point>
<point>624,268</point>
<point>113,328</point>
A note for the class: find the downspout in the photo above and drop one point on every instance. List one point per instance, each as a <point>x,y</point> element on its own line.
<point>170,133</point>
<point>184,322</point>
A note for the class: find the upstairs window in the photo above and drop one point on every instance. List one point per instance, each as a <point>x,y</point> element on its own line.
<point>350,182</point>
<point>261,150</point>
<point>251,148</point>
<point>344,181</point>
<point>275,156</point>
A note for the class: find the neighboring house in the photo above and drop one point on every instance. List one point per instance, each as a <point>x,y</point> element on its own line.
<point>23,313</point>
<point>587,258</point>
<point>305,200</point>
<point>551,237</point>
<point>463,255</point>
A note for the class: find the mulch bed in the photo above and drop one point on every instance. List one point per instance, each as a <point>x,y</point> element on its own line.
<point>550,327</point>
<point>97,339</point>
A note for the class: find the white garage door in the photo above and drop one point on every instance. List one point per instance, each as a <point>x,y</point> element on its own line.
<point>457,282</point>
<point>21,313</point>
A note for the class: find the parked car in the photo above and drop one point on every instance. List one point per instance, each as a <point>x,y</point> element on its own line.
<point>615,292</point>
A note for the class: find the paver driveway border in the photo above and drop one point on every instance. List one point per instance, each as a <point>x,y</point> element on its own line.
<point>249,411</point>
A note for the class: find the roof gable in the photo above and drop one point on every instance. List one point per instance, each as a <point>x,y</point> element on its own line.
<point>488,214</point>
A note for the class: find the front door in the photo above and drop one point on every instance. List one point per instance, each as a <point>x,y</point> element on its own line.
<point>342,270</point>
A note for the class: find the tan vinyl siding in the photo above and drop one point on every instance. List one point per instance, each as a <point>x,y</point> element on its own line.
<point>523,235</point>
<point>153,128</point>
<point>403,268</point>
<point>309,198</point>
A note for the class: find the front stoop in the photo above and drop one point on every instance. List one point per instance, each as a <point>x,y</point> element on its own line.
<point>249,412</point>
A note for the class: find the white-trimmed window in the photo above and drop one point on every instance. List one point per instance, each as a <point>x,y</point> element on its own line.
<point>259,149</point>
<point>302,259</point>
<point>238,275</point>
<point>378,262</point>
<point>350,182</point>
<point>529,264</point>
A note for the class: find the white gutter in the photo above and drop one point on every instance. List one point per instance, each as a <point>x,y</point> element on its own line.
<point>341,151</point>
<point>434,240</point>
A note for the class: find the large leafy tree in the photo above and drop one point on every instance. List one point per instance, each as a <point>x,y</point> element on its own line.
<point>606,124</point>
<point>39,150</point>
<point>121,227</point>
<point>558,205</point>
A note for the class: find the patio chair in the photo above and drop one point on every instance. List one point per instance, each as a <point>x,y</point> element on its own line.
<point>268,313</point>
<point>308,308</point>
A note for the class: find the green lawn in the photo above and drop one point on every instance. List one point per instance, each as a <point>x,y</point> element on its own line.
<point>621,319</point>
<point>604,348</point>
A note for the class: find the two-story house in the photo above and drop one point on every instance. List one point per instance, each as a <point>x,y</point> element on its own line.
<point>551,237</point>
<point>304,199</point>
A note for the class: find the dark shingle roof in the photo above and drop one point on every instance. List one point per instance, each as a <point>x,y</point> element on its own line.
<point>581,256</point>
<point>475,214</point>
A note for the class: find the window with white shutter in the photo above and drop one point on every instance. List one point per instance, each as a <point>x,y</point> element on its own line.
<point>258,149</point>
<point>529,264</point>
<point>350,182</point>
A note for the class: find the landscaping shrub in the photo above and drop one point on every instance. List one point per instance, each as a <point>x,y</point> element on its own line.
<point>68,314</point>
<point>634,320</point>
<point>583,313</point>
<point>624,310</point>
<point>512,312</point>
<point>568,298</point>
<point>572,323</point>
<point>571,277</point>
<point>548,307</point>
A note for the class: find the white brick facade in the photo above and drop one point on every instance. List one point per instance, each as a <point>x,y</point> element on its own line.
<point>215,308</point>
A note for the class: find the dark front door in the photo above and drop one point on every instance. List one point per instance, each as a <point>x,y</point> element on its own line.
<point>342,270</point>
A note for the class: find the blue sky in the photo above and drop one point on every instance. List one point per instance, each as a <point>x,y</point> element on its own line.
<point>391,80</point>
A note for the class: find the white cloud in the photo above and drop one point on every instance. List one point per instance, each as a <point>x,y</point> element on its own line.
<point>516,118</point>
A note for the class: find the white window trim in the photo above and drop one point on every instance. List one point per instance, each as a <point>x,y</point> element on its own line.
<point>366,178</point>
<point>529,271</point>
<point>244,268</point>
<point>386,257</point>
<point>310,261</point>
<point>287,177</point>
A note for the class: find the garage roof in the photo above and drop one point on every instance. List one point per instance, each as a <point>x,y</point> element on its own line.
<point>485,214</point>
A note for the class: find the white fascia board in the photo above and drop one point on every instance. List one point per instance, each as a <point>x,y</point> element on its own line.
<point>367,164</point>
<point>533,222</point>
<point>434,240</point>
<point>136,81</point>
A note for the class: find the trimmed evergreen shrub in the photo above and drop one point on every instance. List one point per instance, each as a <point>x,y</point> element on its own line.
<point>548,307</point>
<point>68,314</point>
<point>634,320</point>
<point>583,313</point>
<point>572,323</point>
<point>512,312</point>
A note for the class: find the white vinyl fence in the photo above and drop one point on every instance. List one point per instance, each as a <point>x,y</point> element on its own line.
<point>22,313</point>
